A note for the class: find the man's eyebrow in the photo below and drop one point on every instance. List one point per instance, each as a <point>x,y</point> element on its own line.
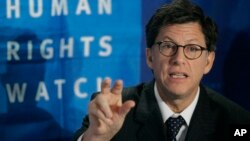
<point>171,39</point>
<point>168,38</point>
<point>192,40</point>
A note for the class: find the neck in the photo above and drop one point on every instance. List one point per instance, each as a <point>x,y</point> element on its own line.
<point>176,102</point>
<point>178,105</point>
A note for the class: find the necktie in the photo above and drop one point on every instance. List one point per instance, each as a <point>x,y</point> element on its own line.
<point>173,127</point>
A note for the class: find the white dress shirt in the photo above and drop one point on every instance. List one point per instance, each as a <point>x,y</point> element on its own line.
<point>187,113</point>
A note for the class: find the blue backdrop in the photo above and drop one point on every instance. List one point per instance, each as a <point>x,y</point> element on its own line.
<point>55,53</point>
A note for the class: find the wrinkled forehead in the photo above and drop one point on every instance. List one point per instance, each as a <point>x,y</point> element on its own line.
<point>188,32</point>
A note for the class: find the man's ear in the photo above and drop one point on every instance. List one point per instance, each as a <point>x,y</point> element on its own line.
<point>149,57</point>
<point>210,62</point>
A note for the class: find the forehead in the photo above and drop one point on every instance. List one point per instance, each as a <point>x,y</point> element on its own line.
<point>186,31</point>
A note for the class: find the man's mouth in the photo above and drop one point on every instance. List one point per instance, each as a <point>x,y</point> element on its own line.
<point>178,75</point>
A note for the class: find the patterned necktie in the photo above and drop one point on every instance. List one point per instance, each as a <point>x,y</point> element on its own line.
<point>173,127</point>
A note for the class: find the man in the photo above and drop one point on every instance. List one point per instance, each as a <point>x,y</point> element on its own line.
<point>174,106</point>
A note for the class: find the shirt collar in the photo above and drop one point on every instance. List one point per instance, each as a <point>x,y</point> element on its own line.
<point>166,112</point>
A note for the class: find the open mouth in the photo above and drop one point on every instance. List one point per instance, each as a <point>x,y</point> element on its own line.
<point>178,75</point>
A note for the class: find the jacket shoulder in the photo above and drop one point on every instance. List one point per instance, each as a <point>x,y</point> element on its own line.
<point>221,100</point>
<point>227,106</point>
<point>133,93</point>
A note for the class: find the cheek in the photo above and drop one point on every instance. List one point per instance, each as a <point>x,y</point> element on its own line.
<point>160,66</point>
<point>199,70</point>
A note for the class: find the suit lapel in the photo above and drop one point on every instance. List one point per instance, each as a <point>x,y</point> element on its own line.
<point>149,116</point>
<point>203,122</point>
<point>202,126</point>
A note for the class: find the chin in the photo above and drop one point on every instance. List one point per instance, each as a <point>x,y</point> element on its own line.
<point>177,91</point>
<point>178,94</point>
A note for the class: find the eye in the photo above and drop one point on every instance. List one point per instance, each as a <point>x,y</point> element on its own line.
<point>192,48</point>
<point>168,45</point>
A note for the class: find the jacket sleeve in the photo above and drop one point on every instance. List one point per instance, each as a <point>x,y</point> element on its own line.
<point>85,124</point>
<point>79,132</point>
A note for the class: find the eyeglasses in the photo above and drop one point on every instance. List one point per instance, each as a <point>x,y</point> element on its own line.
<point>191,51</point>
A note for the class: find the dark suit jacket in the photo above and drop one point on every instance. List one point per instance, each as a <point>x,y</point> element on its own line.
<point>211,119</point>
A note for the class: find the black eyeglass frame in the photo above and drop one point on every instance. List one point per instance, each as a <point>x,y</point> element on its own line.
<point>183,46</point>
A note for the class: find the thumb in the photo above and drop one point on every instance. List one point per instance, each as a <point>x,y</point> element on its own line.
<point>126,107</point>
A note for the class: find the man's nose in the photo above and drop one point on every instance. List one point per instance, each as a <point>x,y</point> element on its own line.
<point>179,56</point>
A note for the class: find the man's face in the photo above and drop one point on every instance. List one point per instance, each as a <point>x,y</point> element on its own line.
<point>178,76</point>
